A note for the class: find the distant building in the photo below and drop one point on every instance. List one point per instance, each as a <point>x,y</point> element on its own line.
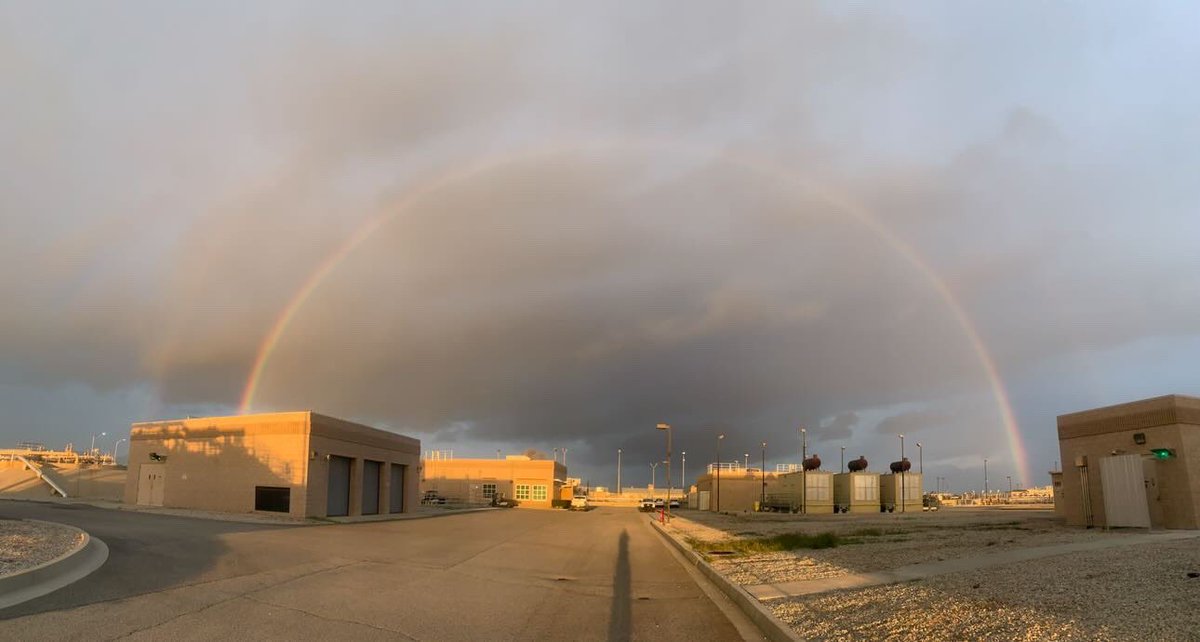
<point>300,463</point>
<point>1134,464</point>
<point>533,483</point>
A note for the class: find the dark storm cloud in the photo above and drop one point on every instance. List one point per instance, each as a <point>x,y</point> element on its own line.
<point>913,421</point>
<point>158,222</point>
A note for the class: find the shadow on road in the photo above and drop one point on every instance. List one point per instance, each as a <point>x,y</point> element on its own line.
<point>620,625</point>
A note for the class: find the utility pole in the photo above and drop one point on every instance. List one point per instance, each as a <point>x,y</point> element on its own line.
<point>803,470</point>
<point>618,472</point>
<point>985,479</point>
<point>684,473</point>
<point>667,427</point>
<point>902,489</point>
<point>719,438</point>
<point>763,501</point>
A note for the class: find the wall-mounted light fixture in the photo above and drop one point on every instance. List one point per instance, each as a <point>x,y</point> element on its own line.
<point>157,457</point>
<point>1139,438</point>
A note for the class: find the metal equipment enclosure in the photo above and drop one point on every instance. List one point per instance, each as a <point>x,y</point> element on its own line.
<point>892,492</point>
<point>856,492</point>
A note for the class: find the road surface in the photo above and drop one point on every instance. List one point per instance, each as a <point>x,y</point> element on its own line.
<point>497,575</point>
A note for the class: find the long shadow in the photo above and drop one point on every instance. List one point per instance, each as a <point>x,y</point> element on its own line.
<point>620,626</point>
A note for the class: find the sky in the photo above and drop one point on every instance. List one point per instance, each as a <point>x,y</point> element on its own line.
<point>548,226</point>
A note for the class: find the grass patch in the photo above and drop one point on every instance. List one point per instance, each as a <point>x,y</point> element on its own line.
<point>773,544</point>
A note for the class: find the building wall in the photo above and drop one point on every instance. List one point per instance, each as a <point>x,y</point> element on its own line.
<point>890,492</point>
<point>820,490</point>
<point>460,479</point>
<point>738,491</point>
<point>332,436</point>
<point>215,463</point>
<point>1173,485</point>
<point>844,495</point>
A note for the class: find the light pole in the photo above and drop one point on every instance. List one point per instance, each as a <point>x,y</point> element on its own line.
<point>618,472</point>
<point>762,501</point>
<point>1009,477</point>
<point>902,489</point>
<point>747,464</point>
<point>683,474</point>
<point>920,459</point>
<point>653,473</point>
<point>667,428</point>
<point>115,446</point>
<point>985,479</point>
<point>843,466</point>
<point>92,452</point>
<point>564,457</point>
<point>803,471</point>
<point>719,438</point>
<point>555,454</point>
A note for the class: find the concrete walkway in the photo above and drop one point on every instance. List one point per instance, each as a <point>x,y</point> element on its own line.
<point>782,590</point>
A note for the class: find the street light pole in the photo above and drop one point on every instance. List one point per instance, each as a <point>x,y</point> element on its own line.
<point>115,446</point>
<point>667,427</point>
<point>564,457</point>
<point>763,501</point>
<point>902,489</point>
<point>985,479</point>
<point>683,474</point>
<point>842,468</point>
<point>719,438</point>
<point>618,472</point>
<point>653,475</point>
<point>747,464</point>
<point>803,471</point>
<point>1009,486</point>
<point>92,452</point>
<point>920,459</point>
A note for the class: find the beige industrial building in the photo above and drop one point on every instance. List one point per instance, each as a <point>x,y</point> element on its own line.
<point>856,492</point>
<point>900,492</point>
<point>1132,465</point>
<point>533,483</point>
<point>736,490</point>
<point>300,463</point>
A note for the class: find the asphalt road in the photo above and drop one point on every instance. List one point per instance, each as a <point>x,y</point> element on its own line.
<point>498,575</point>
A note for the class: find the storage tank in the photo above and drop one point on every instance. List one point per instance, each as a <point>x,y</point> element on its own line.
<point>856,492</point>
<point>857,465</point>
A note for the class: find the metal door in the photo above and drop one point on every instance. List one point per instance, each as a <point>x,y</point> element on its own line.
<point>396,496</point>
<point>338,503</point>
<point>1124,487</point>
<point>704,499</point>
<point>152,480</point>
<point>370,487</point>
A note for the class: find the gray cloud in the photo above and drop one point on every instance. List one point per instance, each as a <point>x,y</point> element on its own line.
<point>158,223</point>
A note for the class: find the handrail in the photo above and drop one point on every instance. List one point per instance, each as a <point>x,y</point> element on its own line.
<point>42,476</point>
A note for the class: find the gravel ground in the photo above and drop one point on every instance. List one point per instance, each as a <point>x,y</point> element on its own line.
<point>25,544</point>
<point>880,542</point>
<point>1134,594</point>
<point>1121,594</point>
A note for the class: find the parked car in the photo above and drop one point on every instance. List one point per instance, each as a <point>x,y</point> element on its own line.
<point>503,502</point>
<point>647,504</point>
<point>579,502</point>
<point>674,503</point>
<point>431,497</point>
<point>659,502</point>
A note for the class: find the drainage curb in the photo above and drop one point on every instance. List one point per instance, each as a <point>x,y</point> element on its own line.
<point>772,627</point>
<point>68,568</point>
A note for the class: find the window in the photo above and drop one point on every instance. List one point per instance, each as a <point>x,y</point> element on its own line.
<point>866,488</point>
<point>489,491</point>
<point>818,488</point>
<point>523,491</point>
<point>273,499</point>
<point>539,493</point>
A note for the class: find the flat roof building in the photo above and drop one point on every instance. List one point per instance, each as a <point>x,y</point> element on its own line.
<point>531,482</point>
<point>303,464</point>
<point>1133,464</point>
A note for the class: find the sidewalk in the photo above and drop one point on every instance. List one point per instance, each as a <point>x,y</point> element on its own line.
<point>782,590</point>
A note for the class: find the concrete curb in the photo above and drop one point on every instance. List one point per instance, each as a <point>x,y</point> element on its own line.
<point>68,568</point>
<point>772,627</point>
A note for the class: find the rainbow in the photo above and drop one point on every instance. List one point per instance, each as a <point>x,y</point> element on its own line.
<point>761,166</point>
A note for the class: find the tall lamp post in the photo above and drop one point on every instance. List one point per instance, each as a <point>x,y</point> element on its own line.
<point>719,438</point>
<point>902,489</point>
<point>747,464</point>
<point>92,452</point>
<point>1009,486</point>
<point>763,500</point>
<point>667,428</point>
<point>842,468</point>
<point>115,446</point>
<point>985,479</point>
<point>920,460</point>
<point>618,472</point>
<point>653,474</point>
<point>564,457</point>
<point>683,474</point>
<point>803,471</point>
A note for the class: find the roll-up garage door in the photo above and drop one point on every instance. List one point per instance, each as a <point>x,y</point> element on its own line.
<point>370,489</point>
<point>396,496</point>
<point>338,504</point>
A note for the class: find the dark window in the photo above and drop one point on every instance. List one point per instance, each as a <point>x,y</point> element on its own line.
<point>271,498</point>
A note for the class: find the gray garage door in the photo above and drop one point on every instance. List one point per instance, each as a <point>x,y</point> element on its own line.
<point>396,498</point>
<point>370,494</point>
<point>339,487</point>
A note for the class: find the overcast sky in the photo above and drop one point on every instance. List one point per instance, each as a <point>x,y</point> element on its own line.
<point>587,220</point>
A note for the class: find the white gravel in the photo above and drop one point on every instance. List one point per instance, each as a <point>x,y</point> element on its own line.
<point>1122,594</point>
<point>25,544</point>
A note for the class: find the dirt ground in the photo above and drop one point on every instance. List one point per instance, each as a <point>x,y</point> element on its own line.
<point>25,544</point>
<point>1140,593</point>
